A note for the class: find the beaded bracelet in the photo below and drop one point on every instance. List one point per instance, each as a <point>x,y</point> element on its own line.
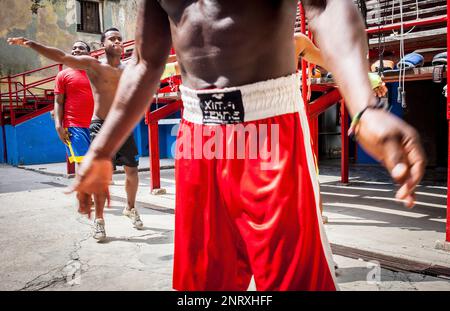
<point>357,117</point>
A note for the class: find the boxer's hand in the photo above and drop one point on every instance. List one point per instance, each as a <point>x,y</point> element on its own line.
<point>381,91</point>
<point>397,145</point>
<point>93,177</point>
<point>20,41</point>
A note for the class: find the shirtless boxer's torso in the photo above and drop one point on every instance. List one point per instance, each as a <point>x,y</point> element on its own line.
<point>227,43</point>
<point>104,83</point>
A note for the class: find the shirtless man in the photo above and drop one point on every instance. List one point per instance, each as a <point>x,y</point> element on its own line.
<point>104,78</point>
<point>234,219</point>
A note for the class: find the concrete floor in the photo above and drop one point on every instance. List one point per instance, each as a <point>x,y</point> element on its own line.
<point>46,245</point>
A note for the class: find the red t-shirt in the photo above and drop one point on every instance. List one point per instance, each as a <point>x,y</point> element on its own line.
<point>79,101</point>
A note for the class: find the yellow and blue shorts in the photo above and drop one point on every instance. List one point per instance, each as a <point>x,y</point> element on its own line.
<point>78,145</point>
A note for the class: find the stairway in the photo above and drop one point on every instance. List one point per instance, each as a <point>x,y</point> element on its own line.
<point>427,39</point>
<point>24,96</point>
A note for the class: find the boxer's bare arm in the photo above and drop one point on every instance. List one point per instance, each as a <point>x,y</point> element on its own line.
<point>79,62</point>
<point>384,136</point>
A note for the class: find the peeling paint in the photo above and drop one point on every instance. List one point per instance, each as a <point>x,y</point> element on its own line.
<point>71,15</point>
<point>55,24</point>
<point>14,16</point>
<point>59,37</point>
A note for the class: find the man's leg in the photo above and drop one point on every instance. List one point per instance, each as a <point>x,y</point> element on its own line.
<point>131,187</point>
<point>99,200</point>
<point>274,205</point>
<point>78,146</point>
<point>99,223</point>
<point>209,253</point>
<point>128,157</point>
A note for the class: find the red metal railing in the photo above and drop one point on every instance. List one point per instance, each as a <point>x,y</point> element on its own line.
<point>170,97</point>
<point>330,97</point>
<point>409,24</point>
<point>14,95</point>
<point>447,236</point>
<point>17,97</point>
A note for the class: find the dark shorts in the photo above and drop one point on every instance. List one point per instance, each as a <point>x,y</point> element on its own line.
<point>127,154</point>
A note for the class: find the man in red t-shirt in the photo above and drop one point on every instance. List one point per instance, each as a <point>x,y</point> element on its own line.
<point>74,107</point>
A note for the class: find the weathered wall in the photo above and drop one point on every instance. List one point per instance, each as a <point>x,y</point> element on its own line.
<point>2,148</point>
<point>54,24</point>
<point>34,142</point>
<point>121,14</point>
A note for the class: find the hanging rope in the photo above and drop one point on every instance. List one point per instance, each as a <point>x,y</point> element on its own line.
<point>381,40</point>
<point>402,72</point>
<point>401,92</point>
<point>401,16</point>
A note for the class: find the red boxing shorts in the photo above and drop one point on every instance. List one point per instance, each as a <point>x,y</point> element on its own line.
<point>247,200</point>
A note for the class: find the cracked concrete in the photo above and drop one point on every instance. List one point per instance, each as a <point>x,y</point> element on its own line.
<point>47,246</point>
<point>62,275</point>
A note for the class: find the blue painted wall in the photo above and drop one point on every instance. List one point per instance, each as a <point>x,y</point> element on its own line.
<point>34,142</point>
<point>167,137</point>
<point>141,138</point>
<point>396,108</point>
<point>2,150</point>
<point>166,140</point>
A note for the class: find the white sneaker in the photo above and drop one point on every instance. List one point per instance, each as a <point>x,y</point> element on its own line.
<point>99,230</point>
<point>135,217</point>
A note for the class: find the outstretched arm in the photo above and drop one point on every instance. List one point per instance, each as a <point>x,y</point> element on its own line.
<point>137,86</point>
<point>339,32</point>
<point>76,62</point>
<point>306,49</point>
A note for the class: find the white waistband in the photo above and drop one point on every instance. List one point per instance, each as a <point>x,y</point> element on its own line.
<point>261,100</point>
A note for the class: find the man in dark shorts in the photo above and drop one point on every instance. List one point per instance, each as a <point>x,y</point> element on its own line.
<point>127,155</point>
<point>238,217</point>
<point>104,76</point>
